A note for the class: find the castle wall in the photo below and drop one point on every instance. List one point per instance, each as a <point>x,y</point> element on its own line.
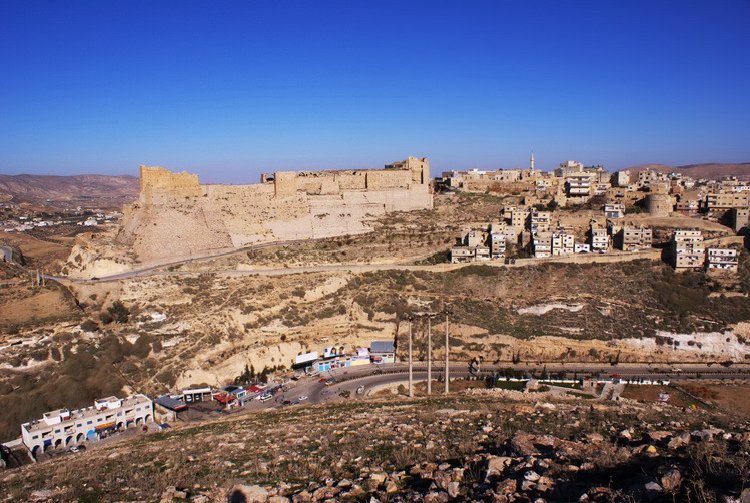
<point>176,217</point>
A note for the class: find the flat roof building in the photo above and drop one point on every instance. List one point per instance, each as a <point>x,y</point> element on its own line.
<point>63,428</point>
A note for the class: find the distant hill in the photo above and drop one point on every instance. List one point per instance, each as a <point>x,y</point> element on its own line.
<point>708,170</point>
<point>90,191</point>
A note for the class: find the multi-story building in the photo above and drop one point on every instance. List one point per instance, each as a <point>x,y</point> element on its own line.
<point>481,252</point>
<point>462,254</point>
<point>563,243</point>
<point>497,241</point>
<point>722,259</point>
<point>649,176</point>
<point>516,216</point>
<point>614,210</point>
<point>726,200</point>
<point>688,249</point>
<point>582,248</point>
<point>622,178</point>
<point>542,244</point>
<point>578,184</point>
<point>599,238</point>
<point>474,238</point>
<point>634,238</point>
<point>539,221</point>
<point>63,427</point>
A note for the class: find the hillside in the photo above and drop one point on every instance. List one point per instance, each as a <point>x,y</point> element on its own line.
<point>480,445</point>
<point>707,170</point>
<point>90,191</point>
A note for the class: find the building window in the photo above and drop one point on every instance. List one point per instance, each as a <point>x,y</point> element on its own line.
<point>98,420</point>
<point>35,437</point>
<point>89,422</point>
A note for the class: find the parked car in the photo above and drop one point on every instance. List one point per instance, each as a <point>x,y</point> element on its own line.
<point>302,398</point>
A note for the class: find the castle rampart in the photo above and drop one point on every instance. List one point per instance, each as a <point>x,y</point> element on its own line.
<point>177,217</point>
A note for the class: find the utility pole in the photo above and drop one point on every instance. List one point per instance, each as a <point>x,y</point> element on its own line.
<point>411,365</point>
<point>429,356</point>
<point>447,368</point>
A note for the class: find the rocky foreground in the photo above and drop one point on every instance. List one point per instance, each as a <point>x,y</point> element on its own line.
<point>494,445</point>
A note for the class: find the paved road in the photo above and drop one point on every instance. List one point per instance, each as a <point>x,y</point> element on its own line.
<point>369,377</point>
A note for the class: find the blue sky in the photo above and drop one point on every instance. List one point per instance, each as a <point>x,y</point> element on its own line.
<point>230,89</point>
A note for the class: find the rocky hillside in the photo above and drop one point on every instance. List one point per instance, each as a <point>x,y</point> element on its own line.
<point>482,445</point>
<point>91,191</point>
<point>707,170</point>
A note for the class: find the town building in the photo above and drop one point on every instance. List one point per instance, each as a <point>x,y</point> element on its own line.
<point>582,248</point>
<point>563,243</point>
<point>622,178</point>
<point>722,259</point>
<point>578,184</point>
<point>462,254</point>
<point>740,218</point>
<point>539,221</point>
<point>726,200</point>
<point>635,238</point>
<point>599,238</point>
<point>688,249</point>
<point>497,241</point>
<point>614,210</point>
<point>382,352</point>
<point>542,244</point>
<point>63,427</point>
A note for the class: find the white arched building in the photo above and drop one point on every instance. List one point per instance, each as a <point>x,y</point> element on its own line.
<point>63,428</point>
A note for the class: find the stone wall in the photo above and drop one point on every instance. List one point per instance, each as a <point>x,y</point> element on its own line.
<point>177,218</point>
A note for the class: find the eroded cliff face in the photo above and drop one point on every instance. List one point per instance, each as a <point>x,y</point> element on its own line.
<point>177,218</point>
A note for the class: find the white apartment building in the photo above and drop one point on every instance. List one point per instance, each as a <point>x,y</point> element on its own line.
<point>578,184</point>
<point>636,238</point>
<point>599,239</point>
<point>582,248</point>
<point>63,427</point>
<point>562,244</point>
<point>622,178</point>
<point>688,249</point>
<point>722,259</point>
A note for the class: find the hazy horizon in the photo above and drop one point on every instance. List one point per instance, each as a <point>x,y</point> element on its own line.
<point>231,90</point>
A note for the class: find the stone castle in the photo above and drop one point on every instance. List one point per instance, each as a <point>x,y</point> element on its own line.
<point>177,217</point>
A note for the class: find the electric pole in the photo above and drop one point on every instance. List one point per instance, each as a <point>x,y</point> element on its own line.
<point>411,376</point>
<point>447,368</point>
<point>429,356</point>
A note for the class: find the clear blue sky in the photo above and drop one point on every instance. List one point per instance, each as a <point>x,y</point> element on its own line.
<point>230,89</point>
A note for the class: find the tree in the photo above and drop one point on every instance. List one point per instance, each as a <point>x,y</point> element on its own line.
<point>119,312</point>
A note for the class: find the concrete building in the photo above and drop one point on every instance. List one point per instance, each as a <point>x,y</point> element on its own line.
<point>497,241</point>
<point>516,216</point>
<point>726,200</point>
<point>622,178</point>
<point>462,254</point>
<point>539,221</point>
<point>599,238</point>
<point>722,259</point>
<point>63,428</point>
<point>542,244</point>
<point>582,248</point>
<point>634,238</point>
<point>578,184</point>
<point>382,352</point>
<point>563,243</point>
<point>614,210</point>
<point>740,218</point>
<point>688,249</point>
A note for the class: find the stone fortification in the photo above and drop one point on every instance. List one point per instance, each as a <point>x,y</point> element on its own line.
<point>177,217</point>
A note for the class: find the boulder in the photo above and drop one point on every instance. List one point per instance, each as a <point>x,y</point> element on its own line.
<point>671,480</point>
<point>241,493</point>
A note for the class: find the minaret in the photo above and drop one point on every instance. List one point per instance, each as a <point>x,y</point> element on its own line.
<point>531,162</point>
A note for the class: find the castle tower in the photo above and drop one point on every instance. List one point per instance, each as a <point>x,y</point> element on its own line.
<point>531,161</point>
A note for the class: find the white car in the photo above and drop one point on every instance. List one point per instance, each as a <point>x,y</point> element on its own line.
<point>302,398</point>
